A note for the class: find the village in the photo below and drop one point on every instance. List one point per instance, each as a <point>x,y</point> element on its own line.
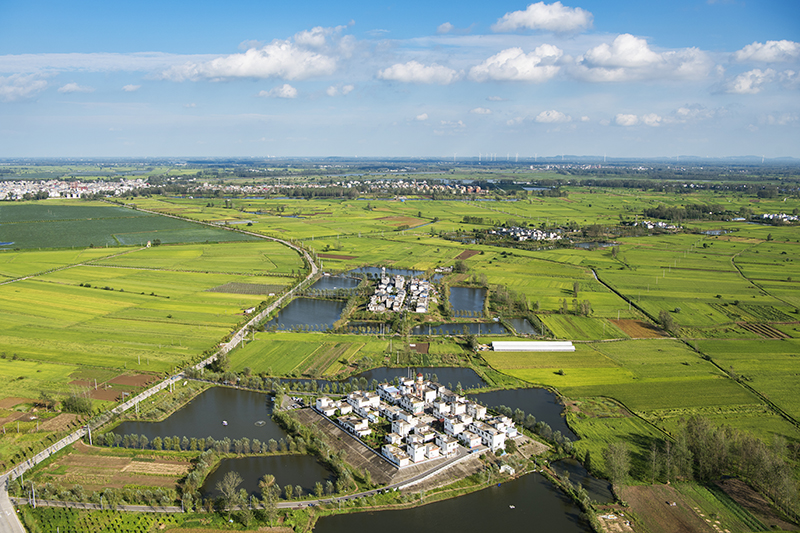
<point>428,421</point>
<point>392,292</point>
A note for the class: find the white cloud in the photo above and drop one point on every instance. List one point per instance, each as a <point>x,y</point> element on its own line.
<point>651,119</point>
<point>495,98</point>
<point>312,53</point>
<point>20,87</point>
<point>750,82</point>
<point>631,58</point>
<point>190,106</point>
<point>550,17</point>
<point>453,124</point>
<point>625,51</point>
<point>445,28</point>
<point>552,116</point>
<point>421,117</point>
<point>414,72</point>
<point>514,64</point>
<point>769,52</point>
<point>75,88</point>
<point>131,88</point>
<point>783,119</point>
<point>282,91</point>
<point>481,111</point>
<point>585,118</point>
<point>333,90</point>
<point>626,120</point>
<point>693,112</point>
<point>514,121</point>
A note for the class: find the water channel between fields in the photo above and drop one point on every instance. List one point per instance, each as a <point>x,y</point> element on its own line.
<point>529,503</point>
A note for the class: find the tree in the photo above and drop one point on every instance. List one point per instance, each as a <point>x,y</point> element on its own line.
<point>227,487</point>
<point>77,404</point>
<point>618,462</point>
<point>666,321</point>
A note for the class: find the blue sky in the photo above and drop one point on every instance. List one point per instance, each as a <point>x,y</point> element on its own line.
<point>254,78</point>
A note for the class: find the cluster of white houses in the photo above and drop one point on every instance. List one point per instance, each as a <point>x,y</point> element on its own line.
<point>527,234</point>
<point>393,292</point>
<point>413,407</point>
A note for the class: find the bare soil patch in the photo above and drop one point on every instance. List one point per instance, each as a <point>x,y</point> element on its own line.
<point>638,329</point>
<point>466,254</point>
<point>134,380</point>
<point>60,423</point>
<point>336,256</point>
<point>751,500</point>
<point>419,347</point>
<point>8,403</point>
<point>652,504</point>
<point>615,522</point>
<point>105,394</point>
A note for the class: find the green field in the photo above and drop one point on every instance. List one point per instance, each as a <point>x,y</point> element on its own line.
<point>42,225</point>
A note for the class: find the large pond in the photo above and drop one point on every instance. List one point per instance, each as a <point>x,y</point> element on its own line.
<point>522,326</point>
<point>529,503</point>
<point>303,470</point>
<point>444,375</point>
<point>331,283</point>
<point>540,403</point>
<point>204,416</point>
<point>598,490</point>
<point>491,328</point>
<point>467,299</point>
<point>308,313</point>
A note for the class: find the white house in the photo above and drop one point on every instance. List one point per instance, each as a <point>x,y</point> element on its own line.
<point>395,455</point>
<point>470,439</point>
<point>401,427</point>
<point>448,445</point>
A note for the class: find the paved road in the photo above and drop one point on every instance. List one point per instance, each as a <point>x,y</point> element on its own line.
<point>9,521</point>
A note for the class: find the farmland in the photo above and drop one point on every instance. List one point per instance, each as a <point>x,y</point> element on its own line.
<point>59,226</point>
<point>729,353</point>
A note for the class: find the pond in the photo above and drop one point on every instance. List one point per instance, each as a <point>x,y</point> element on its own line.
<point>529,503</point>
<point>522,326</point>
<point>541,403</point>
<point>492,328</point>
<point>303,470</point>
<point>335,282</point>
<point>203,417</point>
<point>599,490</point>
<point>376,271</point>
<point>467,299</point>
<point>318,315</point>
